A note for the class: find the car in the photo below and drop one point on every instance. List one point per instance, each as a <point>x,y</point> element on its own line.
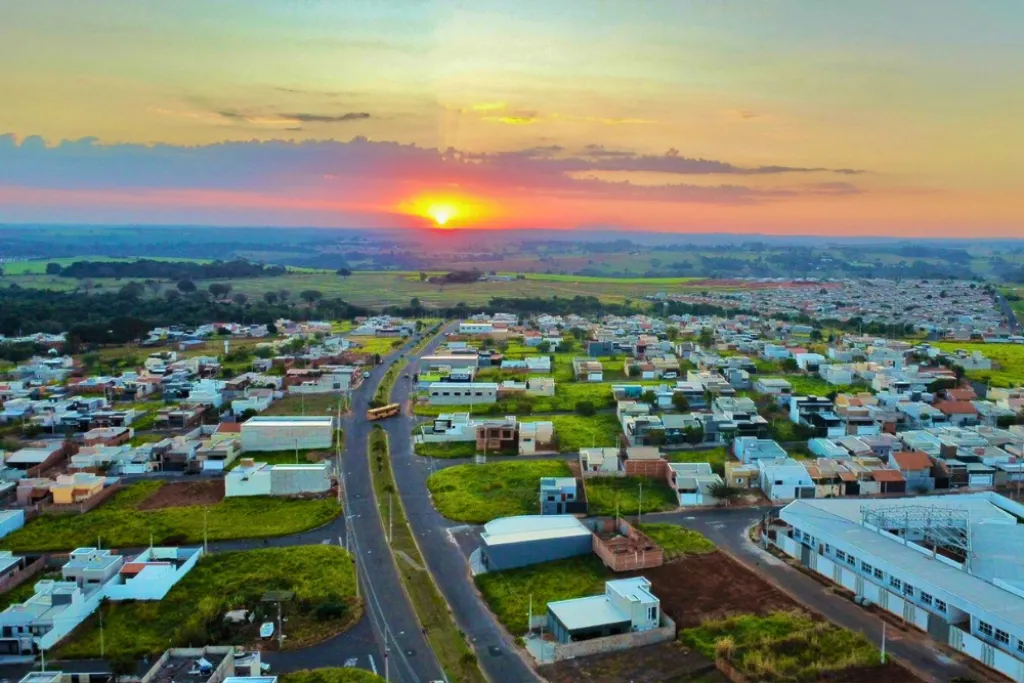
<point>405,376</point>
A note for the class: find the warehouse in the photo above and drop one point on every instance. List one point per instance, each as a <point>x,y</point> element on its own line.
<point>458,394</point>
<point>512,542</point>
<point>280,433</point>
<point>953,566</point>
<point>260,479</point>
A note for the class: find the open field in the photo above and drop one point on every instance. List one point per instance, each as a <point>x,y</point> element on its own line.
<point>480,493</point>
<point>446,640</point>
<point>122,522</point>
<point>184,493</point>
<point>453,449</point>
<point>791,646</point>
<point>623,495</point>
<point>381,345</point>
<point>1007,362</point>
<point>332,675</point>
<point>665,662</point>
<point>573,432</point>
<point>717,457</point>
<point>677,541</point>
<point>304,404</point>
<point>321,576</point>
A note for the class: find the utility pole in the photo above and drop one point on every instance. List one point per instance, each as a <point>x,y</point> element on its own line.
<point>640,506</point>
<point>206,545</point>
<point>883,642</point>
<point>391,517</point>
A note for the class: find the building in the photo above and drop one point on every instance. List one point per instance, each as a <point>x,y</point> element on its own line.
<point>252,478</point>
<point>693,482</point>
<point>79,487</point>
<point>510,542</point>
<point>281,433</point>
<point>462,394</point>
<point>950,565</point>
<point>599,461</point>
<point>11,521</point>
<point>748,449</point>
<point>151,574</point>
<point>785,479</point>
<point>558,496</point>
<point>588,369</point>
<point>536,437</point>
<point>628,605</point>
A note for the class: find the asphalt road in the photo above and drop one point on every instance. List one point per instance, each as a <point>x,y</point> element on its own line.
<point>727,528</point>
<point>1008,311</point>
<point>498,656</point>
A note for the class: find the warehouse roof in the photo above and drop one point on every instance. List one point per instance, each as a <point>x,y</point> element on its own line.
<point>532,528</point>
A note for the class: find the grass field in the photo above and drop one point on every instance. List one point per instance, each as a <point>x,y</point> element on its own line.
<point>453,449</point>
<point>784,646</point>
<point>1007,361</point>
<point>574,432</point>
<point>321,576</point>
<point>677,541</point>
<point>446,640</point>
<point>480,493</point>
<point>301,404</point>
<point>381,345</point>
<point>623,495</point>
<point>508,592</point>
<point>332,675</point>
<point>119,523</point>
<point>717,457</point>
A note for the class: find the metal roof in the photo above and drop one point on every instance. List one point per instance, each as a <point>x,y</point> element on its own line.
<point>532,528</point>
<point>590,612</point>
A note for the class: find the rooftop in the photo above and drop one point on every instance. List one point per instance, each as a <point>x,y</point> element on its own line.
<point>589,612</point>
<point>532,528</point>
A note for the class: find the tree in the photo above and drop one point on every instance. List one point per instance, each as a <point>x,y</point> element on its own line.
<point>649,397</point>
<point>343,272</point>
<point>131,291</point>
<point>672,333</point>
<point>724,493</point>
<point>680,403</point>
<point>53,269</point>
<point>544,346</point>
<point>219,290</point>
<point>707,337</point>
<point>585,408</point>
<point>789,365</point>
<point>127,329</point>
<point>240,298</point>
<point>283,295</point>
<point>310,296</point>
<point>186,286</point>
<point>270,297</point>
<point>415,304</point>
<point>423,276</point>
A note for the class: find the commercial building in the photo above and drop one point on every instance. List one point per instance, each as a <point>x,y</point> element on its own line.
<point>280,433</point>
<point>511,542</point>
<point>952,566</point>
<point>462,394</point>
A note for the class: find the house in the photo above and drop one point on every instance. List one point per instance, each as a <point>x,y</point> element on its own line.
<point>283,432</point>
<point>588,369</point>
<point>742,476</point>
<point>498,436</point>
<point>37,457</point>
<point>749,449</point>
<point>916,468</point>
<point>627,606</point>
<point>785,479</point>
<point>808,361</point>
<point>645,461</point>
<point>76,488</point>
<point>693,482</point>
<point>827,449</point>
<point>835,374</point>
<point>830,477</point>
<point>558,496</point>
<point>252,478</point>
<point>599,461</point>
<point>510,542</point>
<point>536,436</point>
<point>462,394</point>
<point>107,436</point>
<point>958,413</point>
<point>10,564</point>
<point>151,574</point>
<point>10,521</point>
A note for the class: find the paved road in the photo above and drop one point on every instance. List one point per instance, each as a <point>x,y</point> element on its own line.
<point>727,528</point>
<point>498,656</point>
<point>1008,311</point>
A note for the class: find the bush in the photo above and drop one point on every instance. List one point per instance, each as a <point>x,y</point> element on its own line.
<point>333,608</point>
<point>585,408</point>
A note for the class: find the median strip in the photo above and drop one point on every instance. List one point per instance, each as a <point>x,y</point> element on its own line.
<point>447,641</point>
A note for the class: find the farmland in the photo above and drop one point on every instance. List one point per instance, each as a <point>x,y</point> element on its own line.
<point>480,493</point>
<point>123,521</point>
<point>38,266</point>
<point>322,578</point>
<point>1007,362</point>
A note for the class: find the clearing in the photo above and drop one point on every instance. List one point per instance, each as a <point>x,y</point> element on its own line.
<point>321,576</point>
<point>677,541</point>
<point>479,493</point>
<point>628,496</point>
<point>183,494</point>
<point>1007,362</point>
<point>670,661</point>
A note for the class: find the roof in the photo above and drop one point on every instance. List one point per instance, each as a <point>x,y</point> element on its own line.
<point>590,612</point>
<point>289,421</point>
<point>886,475</point>
<point>524,528</point>
<point>957,408</point>
<point>912,460</point>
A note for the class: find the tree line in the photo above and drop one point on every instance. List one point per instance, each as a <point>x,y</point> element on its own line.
<point>165,270</point>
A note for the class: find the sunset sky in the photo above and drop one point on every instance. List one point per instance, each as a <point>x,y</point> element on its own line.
<point>772,116</point>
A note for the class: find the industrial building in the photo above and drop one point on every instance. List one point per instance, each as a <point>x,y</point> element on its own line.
<point>260,479</point>
<point>511,542</point>
<point>280,433</point>
<point>952,566</point>
<point>462,394</point>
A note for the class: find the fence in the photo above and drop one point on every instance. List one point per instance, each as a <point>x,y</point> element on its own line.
<point>629,550</point>
<point>19,577</point>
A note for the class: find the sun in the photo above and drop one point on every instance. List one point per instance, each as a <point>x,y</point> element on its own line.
<point>441,213</point>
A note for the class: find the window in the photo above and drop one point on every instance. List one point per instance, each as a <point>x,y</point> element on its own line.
<point>926,598</point>
<point>865,567</point>
<point>895,583</point>
<point>879,573</point>
<point>985,629</point>
<point>908,590</point>
<point>1020,646</point>
<point>828,548</point>
<point>840,555</point>
<point>940,605</point>
<point>1002,637</point>
<point>851,560</point>
<point>652,613</point>
<point>796,534</point>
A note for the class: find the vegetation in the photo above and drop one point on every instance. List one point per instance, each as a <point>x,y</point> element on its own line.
<point>784,646</point>
<point>480,493</point>
<point>1007,362</point>
<point>192,613</point>
<point>607,495</point>
<point>163,269</point>
<point>446,640</point>
<point>677,541</point>
<point>119,523</point>
<point>508,592</point>
<point>331,675</point>
<point>302,404</point>
<point>574,432</point>
<point>451,449</point>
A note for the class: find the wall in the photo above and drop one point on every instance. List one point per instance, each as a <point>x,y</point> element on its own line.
<point>22,575</point>
<point>656,469</point>
<point>254,484</point>
<point>625,641</point>
<point>152,583</point>
<point>291,481</point>
<point>511,555</point>
<point>277,438</point>
<point>964,642</point>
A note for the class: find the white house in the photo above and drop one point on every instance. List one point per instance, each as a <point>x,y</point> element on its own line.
<point>151,574</point>
<point>785,479</point>
<point>260,479</point>
<point>628,605</point>
<point>462,393</point>
<point>283,432</point>
<point>835,374</point>
<point>748,449</point>
<point>692,482</point>
<point>808,361</point>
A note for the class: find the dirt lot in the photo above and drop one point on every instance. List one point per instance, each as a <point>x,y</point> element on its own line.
<point>181,494</point>
<point>667,662</point>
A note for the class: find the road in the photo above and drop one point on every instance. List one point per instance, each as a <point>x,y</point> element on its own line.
<point>499,658</point>
<point>727,529</point>
<point>1007,310</point>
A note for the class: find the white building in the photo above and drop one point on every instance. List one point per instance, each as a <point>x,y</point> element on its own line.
<point>151,574</point>
<point>785,479</point>
<point>10,521</point>
<point>951,565</point>
<point>260,479</point>
<point>280,433</point>
<point>462,393</point>
<point>692,482</point>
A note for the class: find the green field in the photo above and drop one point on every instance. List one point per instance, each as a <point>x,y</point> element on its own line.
<point>332,675</point>
<point>784,646</point>
<point>480,493</point>
<point>508,592</point>
<point>322,578</point>
<point>300,404</point>
<point>574,432</point>
<point>623,496</point>
<point>1007,362</point>
<point>451,449</point>
<point>677,541</point>
<point>119,523</point>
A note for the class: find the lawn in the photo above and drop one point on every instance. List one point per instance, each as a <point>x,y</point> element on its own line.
<point>784,646</point>
<point>331,675</point>
<point>1007,359</point>
<point>623,495</point>
<point>717,457</point>
<point>322,577</point>
<point>574,432</point>
<point>452,449</point>
<point>677,541</point>
<point>480,493</point>
<point>508,592</point>
<point>119,523</point>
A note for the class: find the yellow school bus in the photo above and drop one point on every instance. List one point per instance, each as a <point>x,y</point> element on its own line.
<point>382,412</point>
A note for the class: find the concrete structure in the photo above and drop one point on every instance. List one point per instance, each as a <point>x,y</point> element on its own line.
<point>462,394</point>
<point>151,574</point>
<point>252,478</point>
<point>692,482</point>
<point>952,566</point>
<point>599,461</point>
<point>588,369</point>
<point>281,433</point>
<point>511,542</point>
<point>536,436</point>
<point>10,521</point>
<point>79,487</point>
<point>558,496</point>
<point>785,479</point>
<point>627,605</point>
<point>748,449</point>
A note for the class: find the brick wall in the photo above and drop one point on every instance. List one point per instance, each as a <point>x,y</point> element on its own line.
<point>655,469</point>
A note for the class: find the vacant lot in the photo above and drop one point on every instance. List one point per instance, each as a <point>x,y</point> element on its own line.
<point>670,662</point>
<point>480,493</point>
<point>453,449</point>
<point>300,404</point>
<point>717,457</point>
<point>628,496</point>
<point>1007,362</point>
<point>321,576</point>
<point>677,541</point>
<point>574,432</point>
<point>184,494</point>
<point>123,521</point>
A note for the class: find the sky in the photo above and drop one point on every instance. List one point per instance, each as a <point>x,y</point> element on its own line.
<point>783,116</point>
